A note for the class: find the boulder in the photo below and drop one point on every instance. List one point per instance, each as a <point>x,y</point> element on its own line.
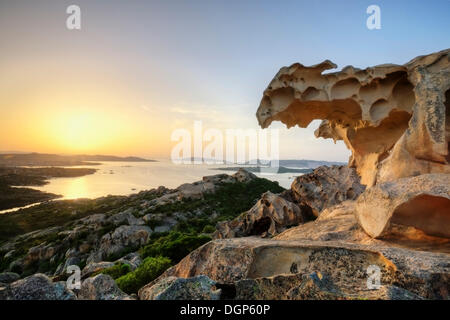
<point>132,259</point>
<point>126,217</point>
<point>326,187</point>
<point>8,277</point>
<point>101,287</point>
<point>62,268</point>
<point>121,239</point>
<point>172,288</point>
<point>37,287</point>
<point>422,202</point>
<point>243,175</point>
<point>271,215</point>
<point>95,267</point>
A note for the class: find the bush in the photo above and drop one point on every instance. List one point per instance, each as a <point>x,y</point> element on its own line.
<point>208,229</point>
<point>150,269</point>
<point>116,271</point>
<point>175,245</point>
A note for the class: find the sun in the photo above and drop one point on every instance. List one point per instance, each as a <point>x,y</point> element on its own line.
<point>79,132</point>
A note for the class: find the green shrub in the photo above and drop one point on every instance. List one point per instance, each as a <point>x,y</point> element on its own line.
<point>150,269</point>
<point>175,245</point>
<point>208,229</point>
<point>116,271</point>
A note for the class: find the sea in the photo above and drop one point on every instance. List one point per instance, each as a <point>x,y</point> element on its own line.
<point>125,178</point>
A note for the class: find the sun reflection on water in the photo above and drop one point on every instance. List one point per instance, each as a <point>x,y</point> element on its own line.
<point>75,188</point>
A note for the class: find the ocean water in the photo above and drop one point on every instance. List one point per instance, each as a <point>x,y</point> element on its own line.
<point>124,178</point>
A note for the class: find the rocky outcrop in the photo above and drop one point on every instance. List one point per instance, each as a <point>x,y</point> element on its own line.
<point>281,266</point>
<point>121,239</point>
<point>314,286</point>
<point>95,267</point>
<point>326,187</point>
<point>36,287</point>
<point>271,215</point>
<point>101,287</point>
<point>207,185</point>
<point>393,118</point>
<point>422,202</point>
<point>172,288</point>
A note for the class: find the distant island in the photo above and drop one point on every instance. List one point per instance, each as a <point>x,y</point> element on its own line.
<point>262,168</point>
<point>42,159</point>
<point>303,163</point>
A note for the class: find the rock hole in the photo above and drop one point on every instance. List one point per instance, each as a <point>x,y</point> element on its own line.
<point>260,226</point>
<point>228,291</point>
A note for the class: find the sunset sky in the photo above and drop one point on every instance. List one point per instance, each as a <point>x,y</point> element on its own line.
<point>137,70</point>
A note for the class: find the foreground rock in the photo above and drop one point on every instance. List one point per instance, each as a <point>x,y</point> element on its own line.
<point>314,286</point>
<point>271,215</point>
<point>422,201</point>
<point>370,110</point>
<point>101,287</point>
<point>8,277</point>
<point>36,287</point>
<point>172,288</point>
<point>229,261</point>
<point>326,187</point>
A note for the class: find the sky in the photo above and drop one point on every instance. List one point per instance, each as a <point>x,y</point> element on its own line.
<point>138,70</point>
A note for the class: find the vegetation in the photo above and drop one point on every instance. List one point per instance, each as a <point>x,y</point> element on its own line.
<point>149,270</point>
<point>194,221</point>
<point>174,245</point>
<point>116,271</point>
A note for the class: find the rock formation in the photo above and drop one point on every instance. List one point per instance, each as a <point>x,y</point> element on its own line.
<point>101,287</point>
<point>309,195</point>
<point>268,217</point>
<point>394,118</point>
<point>325,187</point>
<point>422,201</point>
<point>172,288</point>
<point>283,265</point>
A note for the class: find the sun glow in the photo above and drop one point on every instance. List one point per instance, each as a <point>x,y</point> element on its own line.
<point>79,132</point>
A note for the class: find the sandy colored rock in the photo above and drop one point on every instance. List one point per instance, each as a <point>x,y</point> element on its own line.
<point>315,286</point>
<point>271,215</point>
<point>101,287</point>
<point>393,118</point>
<point>326,187</point>
<point>228,261</point>
<point>422,202</point>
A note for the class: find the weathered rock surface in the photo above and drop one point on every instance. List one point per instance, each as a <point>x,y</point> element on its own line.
<point>271,215</point>
<point>314,286</point>
<point>36,287</point>
<point>422,202</point>
<point>229,261</point>
<point>101,287</point>
<point>197,189</point>
<point>172,288</point>
<point>326,187</point>
<point>95,267</point>
<point>122,238</point>
<point>394,118</point>
<point>8,277</point>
